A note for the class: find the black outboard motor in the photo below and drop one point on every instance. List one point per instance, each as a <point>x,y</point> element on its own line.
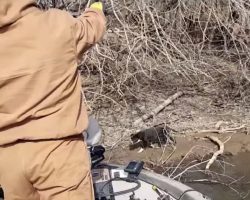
<point>93,136</point>
<point>97,154</point>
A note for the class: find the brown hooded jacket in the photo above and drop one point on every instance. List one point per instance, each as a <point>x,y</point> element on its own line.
<point>40,88</point>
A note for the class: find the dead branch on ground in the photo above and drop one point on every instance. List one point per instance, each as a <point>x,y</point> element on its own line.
<point>217,153</point>
<point>158,108</point>
<point>224,130</point>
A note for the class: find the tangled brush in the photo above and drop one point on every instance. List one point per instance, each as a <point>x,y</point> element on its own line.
<point>169,42</point>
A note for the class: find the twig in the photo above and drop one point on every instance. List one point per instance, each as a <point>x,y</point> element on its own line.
<point>159,108</point>
<point>88,4</point>
<point>218,124</point>
<point>217,153</point>
<point>226,130</point>
<point>114,145</point>
<point>169,156</point>
<point>182,160</point>
<point>188,168</point>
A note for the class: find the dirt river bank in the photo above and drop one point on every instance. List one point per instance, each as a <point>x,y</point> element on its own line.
<point>228,178</point>
<point>193,117</point>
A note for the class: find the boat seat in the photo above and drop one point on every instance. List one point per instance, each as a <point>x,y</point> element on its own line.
<point>93,134</point>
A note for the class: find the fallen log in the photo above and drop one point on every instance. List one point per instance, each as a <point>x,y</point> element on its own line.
<point>158,108</point>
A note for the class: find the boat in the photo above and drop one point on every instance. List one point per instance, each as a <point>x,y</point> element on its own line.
<point>111,182</point>
<point>131,182</point>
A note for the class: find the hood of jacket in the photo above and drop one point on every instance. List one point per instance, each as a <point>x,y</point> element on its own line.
<point>12,10</point>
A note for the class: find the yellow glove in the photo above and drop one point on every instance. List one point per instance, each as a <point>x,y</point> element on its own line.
<point>97,5</point>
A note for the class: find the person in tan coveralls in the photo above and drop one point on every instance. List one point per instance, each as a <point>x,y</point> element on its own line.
<point>42,153</point>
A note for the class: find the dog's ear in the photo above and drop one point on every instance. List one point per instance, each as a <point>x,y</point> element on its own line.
<point>134,137</point>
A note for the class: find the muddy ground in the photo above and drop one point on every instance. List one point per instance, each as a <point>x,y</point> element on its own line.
<point>189,115</point>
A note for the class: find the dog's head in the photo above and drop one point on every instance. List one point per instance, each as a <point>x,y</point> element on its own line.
<point>136,141</point>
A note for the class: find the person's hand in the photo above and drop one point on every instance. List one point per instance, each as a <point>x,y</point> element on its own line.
<point>97,5</point>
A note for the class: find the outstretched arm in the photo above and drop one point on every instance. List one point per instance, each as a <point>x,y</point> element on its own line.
<point>89,28</point>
